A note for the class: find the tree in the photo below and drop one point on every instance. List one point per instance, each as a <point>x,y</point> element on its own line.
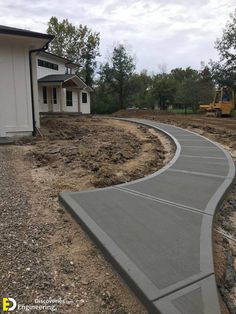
<point>192,92</point>
<point>163,90</point>
<point>187,94</point>
<point>78,44</point>
<point>112,86</point>
<point>122,68</point>
<point>224,71</point>
<point>104,99</point>
<point>180,74</point>
<point>222,75</point>
<point>139,90</point>
<point>227,44</point>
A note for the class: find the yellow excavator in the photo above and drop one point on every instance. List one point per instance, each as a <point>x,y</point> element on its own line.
<point>222,105</point>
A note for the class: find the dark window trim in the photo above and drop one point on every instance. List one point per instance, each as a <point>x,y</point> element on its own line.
<point>48,65</point>
<point>69,99</point>
<point>84,98</point>
<point>68,70</point>
<point>45,95</point>
<point>54,93</point>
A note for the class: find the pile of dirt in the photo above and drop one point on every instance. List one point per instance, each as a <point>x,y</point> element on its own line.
<point>99,152</point>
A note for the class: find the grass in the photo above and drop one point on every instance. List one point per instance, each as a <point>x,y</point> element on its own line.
<point>188,111</point>
<point>181,111</point>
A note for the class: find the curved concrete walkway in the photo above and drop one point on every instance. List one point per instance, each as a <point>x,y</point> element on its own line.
<point>157,231</point>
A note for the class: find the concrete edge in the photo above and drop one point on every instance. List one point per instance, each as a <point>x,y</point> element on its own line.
<point>105,243</point>
<point>209,296</point>
<point>142,286</point>
<point>167,166</point>
<point>136,280</point>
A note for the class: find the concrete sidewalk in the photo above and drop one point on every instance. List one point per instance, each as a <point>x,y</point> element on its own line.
<point>157,231</point>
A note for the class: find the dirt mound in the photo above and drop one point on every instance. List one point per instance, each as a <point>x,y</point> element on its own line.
<point>101,151</point>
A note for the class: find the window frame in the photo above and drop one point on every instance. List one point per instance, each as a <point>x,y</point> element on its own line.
<point>54,95</point>
<point>47,64</point>
<point>45,95</point>
<point>69,100</point>
<point>86,97</point>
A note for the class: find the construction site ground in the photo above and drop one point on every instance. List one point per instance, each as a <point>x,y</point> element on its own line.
<point>45,253</point>
<point>223,131</point>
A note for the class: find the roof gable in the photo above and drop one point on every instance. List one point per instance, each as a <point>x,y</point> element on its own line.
<point>63,78</point>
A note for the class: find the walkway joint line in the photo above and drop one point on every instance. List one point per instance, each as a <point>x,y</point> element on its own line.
<point>160,200</point>
<point>187,285</point>
<point>202,157</point>
<point>157,230</point>
<point>197,173</point>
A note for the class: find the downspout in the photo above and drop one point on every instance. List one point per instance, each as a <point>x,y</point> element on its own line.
<point>32,85</point>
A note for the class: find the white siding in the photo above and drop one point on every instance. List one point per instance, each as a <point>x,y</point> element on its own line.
<point>56,107</point>
<point>35,90</point>
<point>73,108</point>
<point>42,107</point>
<point>78,106</point>
<point>15,101</point>
<point>85,107</point>
<point>42,71</point>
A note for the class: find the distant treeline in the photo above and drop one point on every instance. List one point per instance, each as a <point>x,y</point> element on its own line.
<point>118,86</point>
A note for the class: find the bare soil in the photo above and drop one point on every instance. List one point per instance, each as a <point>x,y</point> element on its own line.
<point>45,253</point>
<point>222,130</point>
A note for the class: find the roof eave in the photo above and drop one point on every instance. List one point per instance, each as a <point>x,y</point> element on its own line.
<point>23,33</point>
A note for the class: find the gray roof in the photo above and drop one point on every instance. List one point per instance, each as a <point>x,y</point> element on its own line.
<point>61,78</point>
<point>69,62</point>
<point>56,78</point>
<point>22,32</point>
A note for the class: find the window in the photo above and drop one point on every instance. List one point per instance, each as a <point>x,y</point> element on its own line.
<point>46,64</point>
<point>45,96</point>
<point>84,98</point>
<point>54,93</point>
<point>69,101</point>
<point>68,70</point>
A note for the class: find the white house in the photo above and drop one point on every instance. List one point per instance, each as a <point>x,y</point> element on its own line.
<point>60,89</point>
<point>34,81</point>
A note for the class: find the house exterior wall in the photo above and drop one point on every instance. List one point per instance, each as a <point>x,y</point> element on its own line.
<point>42,107</point>
<point>78,106</point>
<point>15,90</point>
<point>73,108</point>
<point>85,107</point>
<point>56,107</point>
<point>42,71</point>
<point>35,90</point>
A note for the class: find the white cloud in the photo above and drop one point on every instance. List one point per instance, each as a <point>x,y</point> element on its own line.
<point>177,33</point>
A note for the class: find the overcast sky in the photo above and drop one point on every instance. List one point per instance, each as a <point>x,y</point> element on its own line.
<point>177,33</point>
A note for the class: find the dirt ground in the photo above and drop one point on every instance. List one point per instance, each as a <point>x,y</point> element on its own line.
<point>222,130</point>
<point>45,254</point>
<point>51,256</point>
